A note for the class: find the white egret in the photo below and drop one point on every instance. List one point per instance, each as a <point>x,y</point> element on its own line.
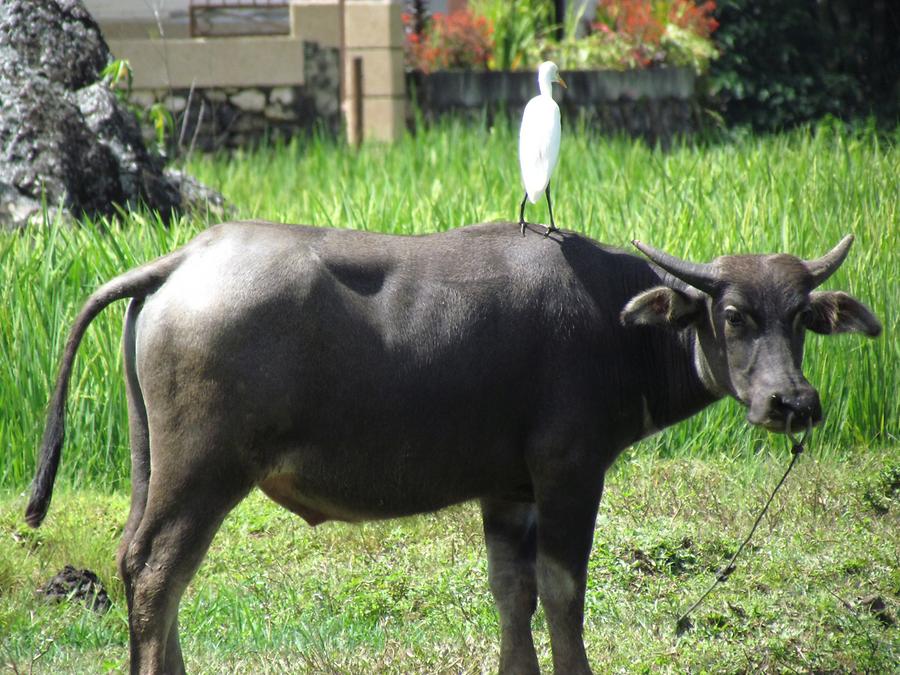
<point>539,142</point>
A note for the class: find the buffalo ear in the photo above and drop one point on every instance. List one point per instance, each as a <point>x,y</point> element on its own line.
<point>661,306</point>
<point>839,312</point>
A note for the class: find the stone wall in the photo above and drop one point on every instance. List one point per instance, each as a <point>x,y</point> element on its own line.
<point>655,104</point>
<point>213,118</point>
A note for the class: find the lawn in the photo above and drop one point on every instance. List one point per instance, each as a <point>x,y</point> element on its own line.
<point>277,596</point>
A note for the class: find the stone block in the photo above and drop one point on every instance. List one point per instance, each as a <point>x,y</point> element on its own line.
<point>373,23</point>
<point>175,104</point>
<point>215,95</point>
<point>276,112</point>
<point>282,95</point>
<point>215,62</point>
<point>143,98</point>
<point>251,100</point>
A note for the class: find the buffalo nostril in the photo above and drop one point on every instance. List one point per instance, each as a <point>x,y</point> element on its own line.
<point>796,407</point>
<point>779,403</point>
<point>802,408</point>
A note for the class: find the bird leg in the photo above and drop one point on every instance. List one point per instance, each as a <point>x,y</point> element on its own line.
<point>522,214</point>
<point>552,227</point>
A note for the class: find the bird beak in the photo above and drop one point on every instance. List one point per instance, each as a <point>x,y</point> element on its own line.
<point>561,81</point>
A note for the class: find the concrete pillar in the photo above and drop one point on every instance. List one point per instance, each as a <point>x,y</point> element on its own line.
<point>373,31</point>
<point>316,21</point>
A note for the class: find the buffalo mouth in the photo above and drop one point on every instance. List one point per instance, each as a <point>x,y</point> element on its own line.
<point>786,416</point>
<point>780,426</point>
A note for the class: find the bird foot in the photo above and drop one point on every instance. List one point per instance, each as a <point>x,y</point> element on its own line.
<point>550,228</point>
<point>522,227</point>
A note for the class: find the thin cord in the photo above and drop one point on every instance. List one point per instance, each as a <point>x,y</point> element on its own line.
<point>684,623</point>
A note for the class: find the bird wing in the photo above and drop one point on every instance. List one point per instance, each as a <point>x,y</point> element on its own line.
<point>539,138</point>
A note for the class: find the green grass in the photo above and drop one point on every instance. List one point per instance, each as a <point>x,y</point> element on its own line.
<point>799,192</point>
<point>276,596</point>
<point>411,595</point>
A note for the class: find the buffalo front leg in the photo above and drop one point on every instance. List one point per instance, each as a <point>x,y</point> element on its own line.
<point>182,515</point>
<point>565,528</point>
<point>510,536</point>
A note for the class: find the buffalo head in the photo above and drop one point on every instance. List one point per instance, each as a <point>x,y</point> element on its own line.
<point>750,314</point>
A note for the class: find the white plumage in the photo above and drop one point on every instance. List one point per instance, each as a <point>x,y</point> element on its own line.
<point>539,138</point>
<point>539,145</point>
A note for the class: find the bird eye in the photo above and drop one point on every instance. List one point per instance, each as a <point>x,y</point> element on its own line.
<point>733,317</point>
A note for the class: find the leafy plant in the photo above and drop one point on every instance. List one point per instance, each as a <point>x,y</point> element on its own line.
<point>119,78</point>
<point>785,63</point>
<point>517,26</point>
<point>163,122</point>
<point>683,47</point>
<point>595,50</point>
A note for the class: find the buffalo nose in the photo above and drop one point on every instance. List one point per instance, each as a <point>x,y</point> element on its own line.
<point>804,407</point>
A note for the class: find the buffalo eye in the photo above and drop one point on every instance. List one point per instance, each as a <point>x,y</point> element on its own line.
<point>733,317</point>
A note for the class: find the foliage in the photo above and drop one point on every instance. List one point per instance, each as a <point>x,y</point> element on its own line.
<point>450,42</point>
<point>881,491</point>
<point>517,26</point>
<point>799,192</point>
<point>599,49</point>
<point>638,34</point>
<point>693,18</point>
<point>411,595</point>
<point>160,119</point>
<point>519,35</point>
<point>684,48</point>
<point>119,78</point>
<point>788,62</point>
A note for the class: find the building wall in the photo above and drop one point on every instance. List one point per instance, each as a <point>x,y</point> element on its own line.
<point>135,10</point>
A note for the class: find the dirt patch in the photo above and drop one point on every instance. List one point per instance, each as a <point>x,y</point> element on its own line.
<point>876,606</point>
<point>81,585</point>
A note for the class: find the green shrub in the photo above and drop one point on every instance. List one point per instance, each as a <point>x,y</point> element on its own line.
<point>785,62</point>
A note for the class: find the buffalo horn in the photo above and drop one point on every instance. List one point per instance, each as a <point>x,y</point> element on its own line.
<point>699,275</point>
<point>824,267</point>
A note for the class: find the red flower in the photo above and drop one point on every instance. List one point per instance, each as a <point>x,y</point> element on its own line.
<point>697,19</point>
<point>457,40</point>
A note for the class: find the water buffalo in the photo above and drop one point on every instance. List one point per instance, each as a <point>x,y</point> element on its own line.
<point>355,376</point>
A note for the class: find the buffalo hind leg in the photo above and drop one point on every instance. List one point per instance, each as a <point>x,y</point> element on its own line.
<point>181,517</point>
<point>510,536</point>
<point>140,474</point>
<point>565,529</point>
<point>140,445</point>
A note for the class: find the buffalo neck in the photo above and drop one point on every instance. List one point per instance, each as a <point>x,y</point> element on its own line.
<point>676,386</point>
<point>650,375</point>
